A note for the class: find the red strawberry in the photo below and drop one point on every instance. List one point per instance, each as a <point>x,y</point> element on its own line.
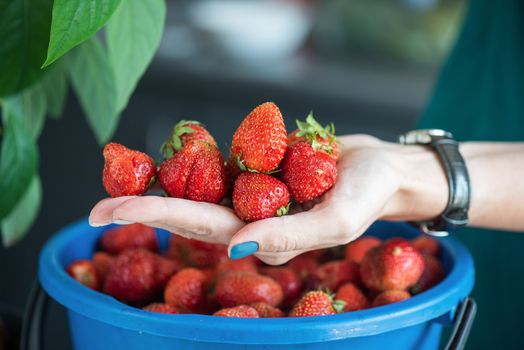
<point>395,265</point>
<point>390,297</point>
<point>187,290</point>
<point>196,172</point>
<point>118,239</point>
<point>133,277</point>
<point>184,132</point>
<point>356,250</point>
<point>288,280</point>
<point>334,273</point>
<point>260,141</point>
<point>259,196</point>
<point>243,287</point>
<point>196,253</point>
<point>126,172</point>
<point>307,173</point>
<point>265,310</point>
<point>103,263</point>
<point>426,245</point>
<point>321,138</point>
<point>238,311</point>
<point>316,303</point>
<point>165,269</point>
<point>433,273</point>
<point>303,266</point>
<point>84,271</point>
<point>161,308</point>
<point>353,297</point>
<point>244,264</point>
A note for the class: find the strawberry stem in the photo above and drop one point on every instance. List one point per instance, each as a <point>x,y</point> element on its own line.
<point>283,210</point>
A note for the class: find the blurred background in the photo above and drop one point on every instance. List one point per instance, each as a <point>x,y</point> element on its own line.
<point>368,66</point>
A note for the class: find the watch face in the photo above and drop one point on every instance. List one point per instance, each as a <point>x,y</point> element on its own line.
<point>423,136</point>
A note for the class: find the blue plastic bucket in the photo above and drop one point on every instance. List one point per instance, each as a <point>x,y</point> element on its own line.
<point>98,321</point>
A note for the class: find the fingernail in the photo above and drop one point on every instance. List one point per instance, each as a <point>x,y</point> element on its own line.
<point>96,224</point>
<point>242,250</point>
<point>122,222</point>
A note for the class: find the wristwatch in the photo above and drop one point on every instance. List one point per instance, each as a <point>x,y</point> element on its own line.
<point>446,147</point>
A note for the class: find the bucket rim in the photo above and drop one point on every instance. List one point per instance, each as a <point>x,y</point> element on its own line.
<point>424,307</point>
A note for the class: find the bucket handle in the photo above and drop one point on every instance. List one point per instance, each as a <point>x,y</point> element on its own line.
<point>464,319</point>
<point>31,337</point>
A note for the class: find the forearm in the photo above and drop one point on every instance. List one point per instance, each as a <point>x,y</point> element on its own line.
<point>496,172</point>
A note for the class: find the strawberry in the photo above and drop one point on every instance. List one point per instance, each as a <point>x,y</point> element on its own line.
<point>394,265</point>
<point>196,172</point>
<point>238,311</point>
<point>390,297</point>
<point>187,290</point>
<point>353,297</point>
<point>303,266</point>
<point>321,138</point>
<point>260,141</point>
<point>243,287</point>
<point>244,264</point>
<point>288,280</point>
<point>196,253</point>
<point>307,173</point>
<point>134,277</point>
<point>161,308</point>
<point>184,132</point>
<point>103,263</point>
<point>316,303</point>
<point>165,268</point>
<point>433,273</point>
<point>120,238</point>
<point>265,310</point>
<point>333,274</point>
<point>126,172</point>
<point>84,271</point>
<point>426,245</point>
<point>356,250</point>
<point>259,196</point>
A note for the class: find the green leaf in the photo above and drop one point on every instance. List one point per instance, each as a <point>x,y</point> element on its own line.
<point>133,36</point>
<point>54,85</point>
<point>24,35</point>
<point>21,218</point>
<point>18,163</point>
<point>74,21</point>
<point>29,107</point>
<point>93,80</point>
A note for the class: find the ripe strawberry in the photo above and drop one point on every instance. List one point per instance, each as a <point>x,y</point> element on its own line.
<point>395,265</point>
<point>187,290</point>
<point>84,271</point>
<point>321,138</point>
<point>165,269</point>
<point>120,238</point>
<point>433,273</point>
<point>259,196</point>
<point>126,172</point>
<point>243,287</point>
<point>161,308</point>
<point>352,296</point>
<point>265,310</point>
<point>228,266</point>
<point>307,173</point>
<point>333,274</point>
<point>316,303</point>
<point>133,277</point>
<point>238,311</point>
<point>196,172</point>
<point>356,250</point>
<point>184,132</point>
<point>196,253</point>
<point>260,141</point>
<point>303,266</point>
<point>288,280</point>
<point>426,245</point>
<point>103,263</point>
<point>390,297</point>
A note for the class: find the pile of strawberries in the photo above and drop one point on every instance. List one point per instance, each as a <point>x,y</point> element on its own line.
<point>197,277</point>
<point>266,168</point>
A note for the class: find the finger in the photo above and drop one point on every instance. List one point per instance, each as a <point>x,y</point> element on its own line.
<point>303,231</point>
<point>102,212</point>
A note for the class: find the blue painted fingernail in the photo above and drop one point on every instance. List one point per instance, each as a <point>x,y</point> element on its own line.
<point>242,250</point>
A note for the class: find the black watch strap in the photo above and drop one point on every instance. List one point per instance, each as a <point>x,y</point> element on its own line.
<point>447,149</point>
